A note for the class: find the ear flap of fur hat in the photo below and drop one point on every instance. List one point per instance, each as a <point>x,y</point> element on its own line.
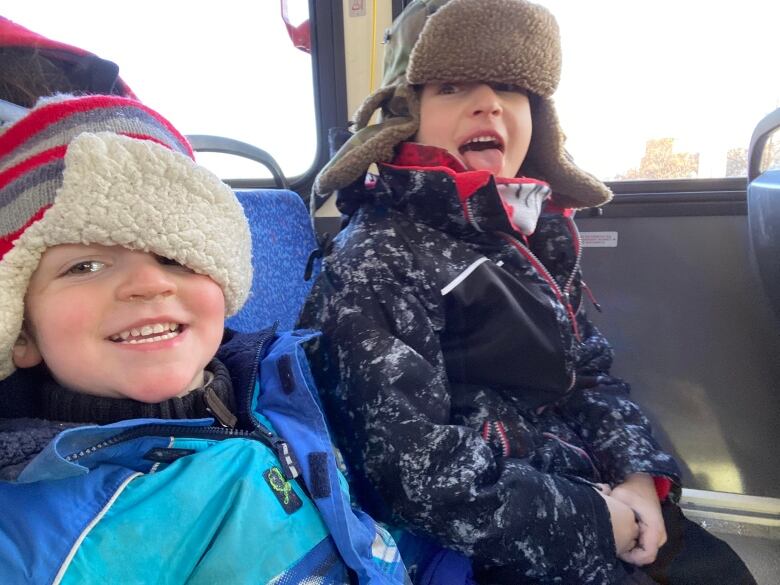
<point>376,143</point>
<point>499,41</point>
<point>548,160</point>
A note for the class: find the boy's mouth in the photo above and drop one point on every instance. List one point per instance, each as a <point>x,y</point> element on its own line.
<point>150,333</point>
<point>483,152</point>
<point>482,142</point>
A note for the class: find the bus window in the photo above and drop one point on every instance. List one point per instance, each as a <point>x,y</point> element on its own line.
<point>648,91</point>
<point>226,69</point>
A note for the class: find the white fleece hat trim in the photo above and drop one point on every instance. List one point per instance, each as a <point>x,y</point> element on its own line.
<point>119,191</point>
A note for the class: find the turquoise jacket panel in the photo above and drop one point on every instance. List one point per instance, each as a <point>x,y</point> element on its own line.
<point>185,502</point>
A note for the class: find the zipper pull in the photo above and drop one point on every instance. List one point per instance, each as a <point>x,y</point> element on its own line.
<point>287,459</point>
<point>218,409</point>
<point>590,296</point>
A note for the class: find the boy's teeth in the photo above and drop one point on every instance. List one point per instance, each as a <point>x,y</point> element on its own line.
<point>169,335</point>
<point>480,143</point>
<point>168,329</point>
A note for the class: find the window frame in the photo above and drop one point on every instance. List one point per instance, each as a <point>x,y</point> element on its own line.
<point>330,93</point>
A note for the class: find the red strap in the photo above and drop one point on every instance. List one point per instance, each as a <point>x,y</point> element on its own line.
<point>663,485</point>
<point>300,35</point>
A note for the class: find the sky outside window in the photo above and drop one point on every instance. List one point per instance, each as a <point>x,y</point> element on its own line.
<point>665,89</point>
<point>226,68</point>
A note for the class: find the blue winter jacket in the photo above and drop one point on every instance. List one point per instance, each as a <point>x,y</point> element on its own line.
<point>164,501</point>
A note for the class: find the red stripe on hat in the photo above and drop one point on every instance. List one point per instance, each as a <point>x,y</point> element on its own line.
<point>40,118</point>
<point>40,159</point>
<point>7,242</point>
<point>144,137</point>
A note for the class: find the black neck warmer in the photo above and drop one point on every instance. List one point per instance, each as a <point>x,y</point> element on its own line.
<point>60,404</point>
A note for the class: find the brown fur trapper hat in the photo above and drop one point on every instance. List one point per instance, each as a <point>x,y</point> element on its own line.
<point>499,41</point>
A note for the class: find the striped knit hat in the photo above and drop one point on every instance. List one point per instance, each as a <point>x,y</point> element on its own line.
<point>108,170</point>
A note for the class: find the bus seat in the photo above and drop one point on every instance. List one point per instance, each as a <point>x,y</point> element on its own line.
<point>763,201</point>
<point>283,242</point>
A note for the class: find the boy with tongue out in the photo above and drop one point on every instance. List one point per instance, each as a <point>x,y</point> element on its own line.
<point>469,391</point>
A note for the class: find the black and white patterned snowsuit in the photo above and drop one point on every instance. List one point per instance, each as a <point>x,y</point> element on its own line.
<point>465,398</point>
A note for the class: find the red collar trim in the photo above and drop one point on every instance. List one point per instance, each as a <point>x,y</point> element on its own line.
<point>416,156</point>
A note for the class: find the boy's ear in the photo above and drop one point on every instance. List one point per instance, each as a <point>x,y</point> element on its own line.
<point>25,352</point>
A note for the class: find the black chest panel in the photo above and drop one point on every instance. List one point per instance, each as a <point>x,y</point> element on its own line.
<point>503,332</point>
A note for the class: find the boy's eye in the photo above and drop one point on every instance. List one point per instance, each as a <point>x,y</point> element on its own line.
<point>507,87</point>
<point>166,261</point>
<point>170,262</point>
<point>448,88</point>
<point>85,267</point>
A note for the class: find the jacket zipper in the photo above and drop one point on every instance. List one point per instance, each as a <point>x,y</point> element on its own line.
<point>470,216</point>
<point>165,430</point>
<point>561,295</point>
<point>578,251</point>
<point>286,457</point>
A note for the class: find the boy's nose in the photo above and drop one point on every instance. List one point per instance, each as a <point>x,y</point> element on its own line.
<point>486,101</point>
<point>146,281</point>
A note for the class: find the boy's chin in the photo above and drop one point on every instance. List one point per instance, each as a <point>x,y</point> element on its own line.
<point>158,390</point>
<point>153,392</point>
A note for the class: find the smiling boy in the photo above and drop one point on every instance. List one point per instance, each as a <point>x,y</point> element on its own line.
<point>120,258</point>
<point>468,389</point>
<point>144,326</point>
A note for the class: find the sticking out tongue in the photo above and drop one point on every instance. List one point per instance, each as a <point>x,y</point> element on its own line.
<point>483,155</point>
<point>491,160</point>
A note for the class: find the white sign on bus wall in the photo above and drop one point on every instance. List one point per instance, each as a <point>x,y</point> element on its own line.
<point>599,239</point>
<point>357,7</point>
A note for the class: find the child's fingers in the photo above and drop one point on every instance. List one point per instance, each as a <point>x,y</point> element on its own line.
<point>646,548</point>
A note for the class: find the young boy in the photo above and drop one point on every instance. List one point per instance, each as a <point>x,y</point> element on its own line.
<point>119,260</point>
<point>470,393</point>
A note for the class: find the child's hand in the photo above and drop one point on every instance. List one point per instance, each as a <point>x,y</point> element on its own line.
<point>624,526</point>
<point>638,493</point>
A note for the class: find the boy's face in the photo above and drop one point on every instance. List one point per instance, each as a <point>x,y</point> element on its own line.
<point>485,126</point>
<point>114,322</point>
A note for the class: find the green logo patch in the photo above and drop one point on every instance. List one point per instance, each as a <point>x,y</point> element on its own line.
<point>283,490</point>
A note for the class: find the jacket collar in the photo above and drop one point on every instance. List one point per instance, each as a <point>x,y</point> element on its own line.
<point>241,353</point>
<point>434,187</point>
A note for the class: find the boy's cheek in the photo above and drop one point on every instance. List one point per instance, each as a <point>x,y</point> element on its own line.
<point>62,320</point>
<point>208,300</point>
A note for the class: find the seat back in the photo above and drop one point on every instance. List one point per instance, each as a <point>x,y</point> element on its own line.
<point>283,241</point>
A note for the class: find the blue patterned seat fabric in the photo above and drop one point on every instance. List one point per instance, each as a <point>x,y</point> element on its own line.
<point>282,242</point>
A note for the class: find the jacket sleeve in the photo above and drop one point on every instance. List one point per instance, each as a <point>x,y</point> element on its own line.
<point>386,391</point>
<point>616,431</point>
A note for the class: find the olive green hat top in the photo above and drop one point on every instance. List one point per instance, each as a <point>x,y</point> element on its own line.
<point>498,41</point>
